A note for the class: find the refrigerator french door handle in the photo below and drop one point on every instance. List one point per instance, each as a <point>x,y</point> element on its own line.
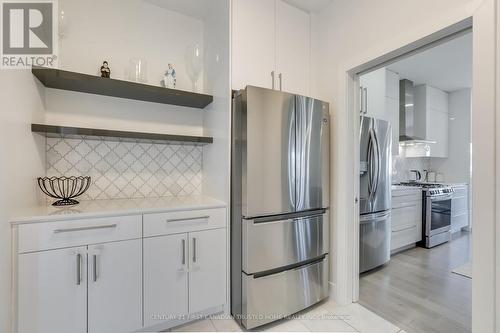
<point>377,162</point>
<point>299,151</point>
<point>292,160</point>
<point>369,159</point>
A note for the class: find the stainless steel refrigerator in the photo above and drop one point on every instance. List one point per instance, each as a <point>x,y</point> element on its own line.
<point>375,193</point>
<point>279,204</point>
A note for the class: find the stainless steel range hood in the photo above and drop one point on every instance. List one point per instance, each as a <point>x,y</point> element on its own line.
<point>407,117</point>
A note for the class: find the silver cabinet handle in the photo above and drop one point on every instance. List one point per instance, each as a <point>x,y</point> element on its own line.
<point>183,244</point>
<point>94,267</point>
<point>361,100</point>
<point>273,78</point>
<point>78,269</point>
<point>194,249</point>
<point>280,77</point>
<point>189,219</point>
<point>109,226</point>
<point>366,100</point>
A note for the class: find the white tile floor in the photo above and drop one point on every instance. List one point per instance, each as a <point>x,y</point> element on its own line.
<point>325,317</point>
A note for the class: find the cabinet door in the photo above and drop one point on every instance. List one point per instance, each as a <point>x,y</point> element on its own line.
<point>392,110</point>
<point>165,278</point>
<point>115,287</point>
<point>52,291</point>
<point>392,85</point>
<point>207,271</point>
<point>438,132</point>
<point>375,85</point>
<point>292,48</point>
<point>253,43</point>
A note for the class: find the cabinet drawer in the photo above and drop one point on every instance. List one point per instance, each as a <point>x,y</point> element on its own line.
<point>459,205</point>
<point>460,221</point>
<point>183,221</point>
<point>53,235</point>
<point>405,237</point>
<point>460,191</point>
<point>403,199</point>
<point>406,216</point>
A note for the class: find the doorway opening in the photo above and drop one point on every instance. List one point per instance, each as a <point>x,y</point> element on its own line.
<point>415,186</point>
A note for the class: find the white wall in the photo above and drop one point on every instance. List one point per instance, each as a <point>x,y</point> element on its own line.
<point>116,31</point>
<point>21,161</point>
<point>345,35</point>
<point>456,168</point>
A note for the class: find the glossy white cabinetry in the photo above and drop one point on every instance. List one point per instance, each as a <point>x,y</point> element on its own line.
<point>253,43</point>
<point>292,48</point>
<point>380,100</point>
<point>406,217</point>
<point>270,46</point>
<point>165,278</point>
<point>431,118</point>
<point>153,269</point>
<point>115,287</point>
<point>460,208</point>
<point>52,291</point>
<point>207,269</point>
<point>184,273</point>
<point>102,278</point>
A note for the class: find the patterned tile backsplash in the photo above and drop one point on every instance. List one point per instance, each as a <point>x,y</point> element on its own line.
<point>401,167</point>
<point>127,169</point>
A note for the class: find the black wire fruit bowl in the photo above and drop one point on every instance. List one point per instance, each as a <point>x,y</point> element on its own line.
<point>64,188</point>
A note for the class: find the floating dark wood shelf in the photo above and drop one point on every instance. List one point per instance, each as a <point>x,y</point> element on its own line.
<point>93,133</point>
<point>65,80</point>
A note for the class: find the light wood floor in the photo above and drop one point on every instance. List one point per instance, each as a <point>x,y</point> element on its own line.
<point>417,291</point>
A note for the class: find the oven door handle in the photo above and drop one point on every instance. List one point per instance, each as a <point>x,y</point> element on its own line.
<point>442,197</point>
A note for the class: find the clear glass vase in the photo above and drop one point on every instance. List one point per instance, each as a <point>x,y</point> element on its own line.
<point>138,70</point>
<point>194,64</point>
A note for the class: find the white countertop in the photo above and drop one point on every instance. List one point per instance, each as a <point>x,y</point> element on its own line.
<point>117,207</point>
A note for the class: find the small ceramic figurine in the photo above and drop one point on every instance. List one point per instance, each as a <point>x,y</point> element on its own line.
<point>105,70</point>
<point>170,78</point>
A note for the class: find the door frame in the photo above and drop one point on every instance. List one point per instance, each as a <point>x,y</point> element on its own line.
<point>481,17</point>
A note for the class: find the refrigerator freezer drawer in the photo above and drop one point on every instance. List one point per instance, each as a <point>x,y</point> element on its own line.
<point>272,297</point>
<point>375,240</point>
<point>272,244</point>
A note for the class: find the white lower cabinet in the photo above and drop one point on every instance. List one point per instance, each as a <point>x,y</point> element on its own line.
<point>183,274</point>
<point>115,287</point>
<point>56,286</point>
<point>460,208</point>
<point>165,278</point>
<point>119,274</point>
<point>52,291</point>
<point>207,271</point>
<point>406,218</point>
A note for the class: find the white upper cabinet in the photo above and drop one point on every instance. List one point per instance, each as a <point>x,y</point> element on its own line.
<point>380,100</point>
<point>431,118</point>
<point>253,43</point>
<point>293,48</point>
<point>270,46</point>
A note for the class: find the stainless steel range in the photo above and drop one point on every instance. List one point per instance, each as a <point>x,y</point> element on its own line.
<point>436,213</point>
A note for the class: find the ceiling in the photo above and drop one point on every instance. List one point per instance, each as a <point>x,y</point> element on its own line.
<point>447,66</point>
<point>199,8</point>
<point>310,6</point>
<point>194,8</point>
